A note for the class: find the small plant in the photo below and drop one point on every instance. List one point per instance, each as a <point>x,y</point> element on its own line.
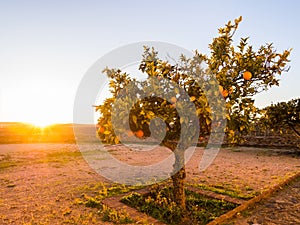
<point>111,215</point>
<point>93,203</point>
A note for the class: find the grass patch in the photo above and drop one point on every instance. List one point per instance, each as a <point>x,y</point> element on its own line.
<point>4,165</point>
<point>234,193</point>
<point>60,157</point>
<point>6,162</point>
<point>65,154</point>
<point>101,191</point>
<point>111,215</point>
<point>158,204</point>
<point>107,214</point>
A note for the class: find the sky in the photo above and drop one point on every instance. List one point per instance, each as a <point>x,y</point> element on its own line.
<point>46,47</point>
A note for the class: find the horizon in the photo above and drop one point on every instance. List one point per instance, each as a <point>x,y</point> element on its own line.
<point>47,124</point>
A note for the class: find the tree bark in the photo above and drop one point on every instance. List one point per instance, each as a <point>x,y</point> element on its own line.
<point>179,179</point>
<point>178,191</point>
<point>179,174</point>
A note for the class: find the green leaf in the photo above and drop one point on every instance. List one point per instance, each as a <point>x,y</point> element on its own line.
<point>134,119</point>
<point>106,132</point>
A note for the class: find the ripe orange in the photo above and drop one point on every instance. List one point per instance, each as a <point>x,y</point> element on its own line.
<point>247,75</point>
<point>193,98</point>
<point>139,133</point>
<point>101,130</point>
<point>225,93</point>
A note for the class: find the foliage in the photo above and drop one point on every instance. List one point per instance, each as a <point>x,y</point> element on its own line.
<point>159,204</point>
<point>229,63</point>
<point>226,62</point>
<point>111,215</point>
<point>282,115</point>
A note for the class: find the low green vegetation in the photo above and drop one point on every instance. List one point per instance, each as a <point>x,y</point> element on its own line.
<point>108,214</point>
<point>248,193</point>
<point>6,162</point>
<point>101,191</point>
<point>158,204</point>
<point>60,157</point>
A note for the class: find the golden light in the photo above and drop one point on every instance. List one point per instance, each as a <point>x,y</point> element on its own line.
<point>41,123</point>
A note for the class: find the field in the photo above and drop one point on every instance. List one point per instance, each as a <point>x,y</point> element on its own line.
<point>44,183</point>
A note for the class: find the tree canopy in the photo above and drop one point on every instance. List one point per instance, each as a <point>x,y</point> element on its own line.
<point>239,72</point>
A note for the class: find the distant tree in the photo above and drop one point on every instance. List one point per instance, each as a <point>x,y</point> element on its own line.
<point>240,73</point>
<point>282,115</point>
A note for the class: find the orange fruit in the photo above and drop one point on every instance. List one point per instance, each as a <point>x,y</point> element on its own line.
<point>101,130</point>
<point>247,75</point>
<point>173,99</point>
<point>225,93</point>
<point>139,133</point>
<point>193,98</point>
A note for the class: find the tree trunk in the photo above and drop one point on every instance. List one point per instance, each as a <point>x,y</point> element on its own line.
<point>178,191</point>
<point>179,174</point>
<point>179,179</point>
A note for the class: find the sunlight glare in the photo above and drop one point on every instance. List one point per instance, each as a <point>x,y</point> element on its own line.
<point>41,123</point>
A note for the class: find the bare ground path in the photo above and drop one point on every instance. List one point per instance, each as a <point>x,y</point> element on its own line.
<point>39,183</point>
<point>283,207</point>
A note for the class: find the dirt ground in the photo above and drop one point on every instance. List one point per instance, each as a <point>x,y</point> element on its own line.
<point>283,207</point>
<point>39,183</point>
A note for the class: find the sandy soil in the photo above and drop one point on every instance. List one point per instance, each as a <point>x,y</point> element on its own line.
<point>283,207</point>
<point>39,183</point>
<point>42,189</point>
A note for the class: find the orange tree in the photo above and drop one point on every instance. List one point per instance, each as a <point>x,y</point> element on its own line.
<point>282,115</point>
<point>235,72</point>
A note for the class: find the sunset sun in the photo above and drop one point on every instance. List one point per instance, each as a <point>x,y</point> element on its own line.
<point>41,122</point>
